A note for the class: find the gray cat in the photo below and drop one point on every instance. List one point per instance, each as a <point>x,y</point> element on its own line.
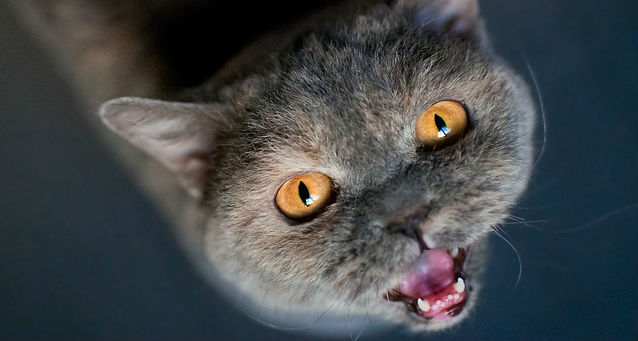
<point>349,165</point>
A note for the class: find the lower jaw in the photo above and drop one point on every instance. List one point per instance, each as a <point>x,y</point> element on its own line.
<point>443,305</point>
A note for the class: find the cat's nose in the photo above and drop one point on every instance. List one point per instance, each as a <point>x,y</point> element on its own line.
<point>408,220</point>
<point>400,204</point>
<point>416,214</point>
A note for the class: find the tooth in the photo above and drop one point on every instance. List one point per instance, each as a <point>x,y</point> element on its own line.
<point>459,286</point>
<point>429,242</point>
<point>456,296</point>
<point>423,305</point>
<point>454,252</point>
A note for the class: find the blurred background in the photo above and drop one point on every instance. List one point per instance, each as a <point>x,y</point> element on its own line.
<point>84,255</point>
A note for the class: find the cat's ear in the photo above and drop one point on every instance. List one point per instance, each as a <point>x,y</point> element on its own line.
<point>455,17</point>
<point>181,136</point>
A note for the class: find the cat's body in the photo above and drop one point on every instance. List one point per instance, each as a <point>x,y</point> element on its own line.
<point>338,94</point>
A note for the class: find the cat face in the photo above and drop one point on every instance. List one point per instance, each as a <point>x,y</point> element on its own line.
<point>352,116</point>
<point>400,219</point>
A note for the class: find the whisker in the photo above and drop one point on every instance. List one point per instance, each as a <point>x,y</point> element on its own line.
<point>349,319</point>
<point>542,106</point>
<point>526,222</point>
<point>515,217</point>
<point>368,312</point>
<point>284,328</point>
<point>598,220</point>
<point>359,333</point>
<point>519,220</point>
<point>348,315</point>
<point>498,231</point>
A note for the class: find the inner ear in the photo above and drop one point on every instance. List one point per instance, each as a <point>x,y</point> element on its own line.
<point>182,136</point>
<point>458,18</point>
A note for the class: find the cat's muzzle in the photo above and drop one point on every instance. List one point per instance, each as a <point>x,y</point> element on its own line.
<point>435,287</point>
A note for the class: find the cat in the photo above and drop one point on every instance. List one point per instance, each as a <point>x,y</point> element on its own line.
<point>351,164</point>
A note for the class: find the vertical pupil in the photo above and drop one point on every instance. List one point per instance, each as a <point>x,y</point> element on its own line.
<point>304,194</point>
<point>441,126</point>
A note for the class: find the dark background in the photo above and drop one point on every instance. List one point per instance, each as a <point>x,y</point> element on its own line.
<point>83,254</point>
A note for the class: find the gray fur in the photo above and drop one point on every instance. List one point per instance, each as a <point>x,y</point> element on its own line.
<point>340,95</point>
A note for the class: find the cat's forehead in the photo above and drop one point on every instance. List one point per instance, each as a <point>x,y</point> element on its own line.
<point>343,108</point>
<point>357,112</point>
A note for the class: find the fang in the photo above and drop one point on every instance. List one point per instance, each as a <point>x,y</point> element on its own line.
<point>459,286</point>
<point>423,305</point>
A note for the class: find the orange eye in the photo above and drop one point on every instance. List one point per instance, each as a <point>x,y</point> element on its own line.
<point>304,196</point>
<point>441,125</point>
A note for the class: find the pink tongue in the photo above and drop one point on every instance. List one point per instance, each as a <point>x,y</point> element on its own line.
<point>433,271</point>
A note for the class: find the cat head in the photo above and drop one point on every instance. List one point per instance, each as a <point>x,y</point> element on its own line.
<point>358,167</point>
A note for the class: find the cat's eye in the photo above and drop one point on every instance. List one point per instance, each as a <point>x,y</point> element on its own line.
<point>442,124</point>
<point>304,196</point>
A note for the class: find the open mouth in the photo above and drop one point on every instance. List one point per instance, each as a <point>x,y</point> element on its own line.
<point>434,288</point>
